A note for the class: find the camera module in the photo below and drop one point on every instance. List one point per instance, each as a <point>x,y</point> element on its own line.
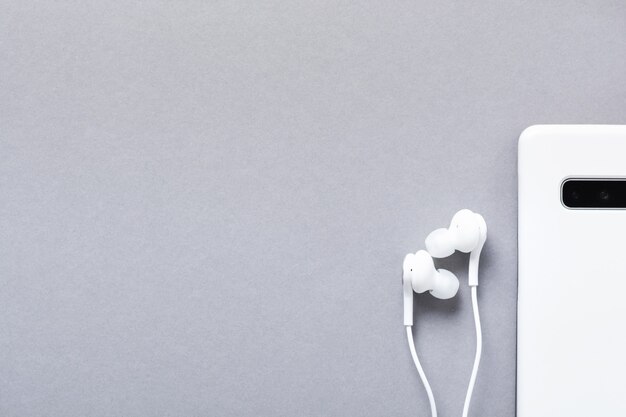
<point>594,193</point>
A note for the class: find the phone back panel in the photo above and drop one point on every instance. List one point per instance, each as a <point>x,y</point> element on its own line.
<point>572,277</point>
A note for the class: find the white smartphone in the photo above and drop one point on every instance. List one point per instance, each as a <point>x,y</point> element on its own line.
<point>571,357</point>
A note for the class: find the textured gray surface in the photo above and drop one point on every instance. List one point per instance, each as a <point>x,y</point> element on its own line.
<point>205,205</point>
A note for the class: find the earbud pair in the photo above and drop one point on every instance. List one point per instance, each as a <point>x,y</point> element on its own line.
<point>467,233</point>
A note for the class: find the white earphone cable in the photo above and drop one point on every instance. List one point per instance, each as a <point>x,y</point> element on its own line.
<point>479,350</point>
<point>420,371</point>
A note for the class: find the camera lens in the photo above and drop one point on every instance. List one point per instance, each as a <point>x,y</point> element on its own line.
<point>574,195</point>
<point>604,195</point>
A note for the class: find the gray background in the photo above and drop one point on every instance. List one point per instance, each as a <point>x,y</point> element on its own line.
<point>205,205</point>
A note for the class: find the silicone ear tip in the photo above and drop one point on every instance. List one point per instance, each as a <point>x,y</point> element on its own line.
<point>446,286</point>
<point>439,243</point>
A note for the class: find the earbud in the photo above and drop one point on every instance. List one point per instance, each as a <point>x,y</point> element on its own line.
<point>419,275</point>
<point>467,233</point>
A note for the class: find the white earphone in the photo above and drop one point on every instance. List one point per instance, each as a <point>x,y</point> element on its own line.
<point>467,233</point>
<point>420,275</point>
